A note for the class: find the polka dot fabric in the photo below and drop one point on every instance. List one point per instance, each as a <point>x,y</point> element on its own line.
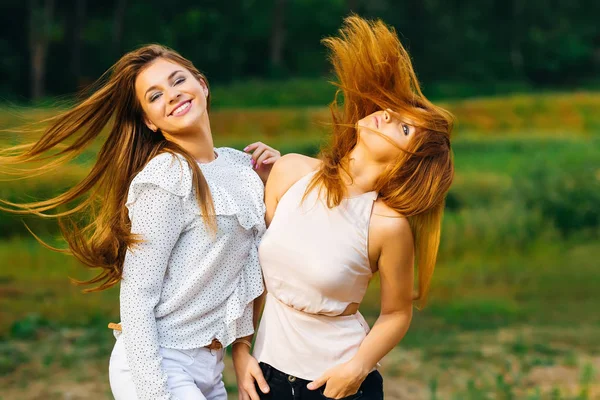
<point>182,286</point>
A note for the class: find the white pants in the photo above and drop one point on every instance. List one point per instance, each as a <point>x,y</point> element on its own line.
<point>191,374</point>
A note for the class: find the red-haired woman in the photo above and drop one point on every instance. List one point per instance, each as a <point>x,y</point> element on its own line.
<point>173,219</point>
<point>372,203</point>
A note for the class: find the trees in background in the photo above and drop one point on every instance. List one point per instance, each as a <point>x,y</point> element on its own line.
<point>58,46</point>
<point>41,20</point>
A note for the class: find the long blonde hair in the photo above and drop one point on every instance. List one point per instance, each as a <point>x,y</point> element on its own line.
<point>375,72</point>
<point>97,228</point>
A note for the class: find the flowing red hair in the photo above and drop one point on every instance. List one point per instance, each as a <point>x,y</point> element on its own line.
<point>374,73</point>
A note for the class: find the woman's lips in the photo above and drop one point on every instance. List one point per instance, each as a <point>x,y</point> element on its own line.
<point>182,108</point>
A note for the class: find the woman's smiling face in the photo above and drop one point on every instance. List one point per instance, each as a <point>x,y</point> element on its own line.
<point>173,100</point>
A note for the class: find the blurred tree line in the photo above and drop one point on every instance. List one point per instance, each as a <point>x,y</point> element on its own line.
<point>53,47</point>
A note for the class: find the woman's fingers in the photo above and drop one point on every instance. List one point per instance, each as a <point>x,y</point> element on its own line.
<point>317,383</point>
<point>262,154</point>
<point>252,146</point>
<point>265,155</point>
<point>271,159</point>
<point>256,150</point>
<point>260,380</point>
<point>251,391</point>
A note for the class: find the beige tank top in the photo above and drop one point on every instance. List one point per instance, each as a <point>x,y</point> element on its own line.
<point>315,263</point>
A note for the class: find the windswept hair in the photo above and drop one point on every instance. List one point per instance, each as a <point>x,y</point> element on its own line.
<point>374,72</point>
<point>97,228</point>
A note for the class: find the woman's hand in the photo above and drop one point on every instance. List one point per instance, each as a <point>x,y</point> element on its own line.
<point>342,380</point>
<point>263,158</point>
<point>247,371</point>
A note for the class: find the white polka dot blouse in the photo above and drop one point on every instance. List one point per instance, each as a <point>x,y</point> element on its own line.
<point>183,286</point>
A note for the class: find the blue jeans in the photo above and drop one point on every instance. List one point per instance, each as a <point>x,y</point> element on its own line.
<point>287,387</point>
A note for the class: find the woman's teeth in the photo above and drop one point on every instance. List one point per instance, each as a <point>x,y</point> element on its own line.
<point>182,108</point>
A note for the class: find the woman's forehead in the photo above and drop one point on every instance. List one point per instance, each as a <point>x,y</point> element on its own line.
<point>157,72</point>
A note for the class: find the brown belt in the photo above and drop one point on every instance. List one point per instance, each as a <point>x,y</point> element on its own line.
<point>214,345</point>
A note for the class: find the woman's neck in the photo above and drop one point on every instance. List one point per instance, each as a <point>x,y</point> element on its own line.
<point>362,172</point>
<point>199,142</point>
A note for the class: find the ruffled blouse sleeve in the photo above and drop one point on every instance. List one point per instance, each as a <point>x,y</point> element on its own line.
<point>156,209</point>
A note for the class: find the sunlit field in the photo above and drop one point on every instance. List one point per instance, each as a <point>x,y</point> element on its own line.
<point>513,311</point>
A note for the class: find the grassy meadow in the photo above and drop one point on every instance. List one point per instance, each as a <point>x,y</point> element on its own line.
<point>513,311</point>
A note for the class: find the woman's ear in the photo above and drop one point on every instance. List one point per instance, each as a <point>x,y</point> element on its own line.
<point>204,87</point>
<point>150,125</point>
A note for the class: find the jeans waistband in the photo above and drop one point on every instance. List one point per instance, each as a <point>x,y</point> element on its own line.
<point>273,373</point>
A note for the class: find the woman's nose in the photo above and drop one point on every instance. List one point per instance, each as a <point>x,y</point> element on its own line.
<point>174,95</point>
<point>386,116</point>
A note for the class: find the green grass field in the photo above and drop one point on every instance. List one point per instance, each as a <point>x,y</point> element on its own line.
<point>513,308</point>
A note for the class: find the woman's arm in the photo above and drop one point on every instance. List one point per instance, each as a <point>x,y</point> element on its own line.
<point>285,172</point>
<point>247,370</point>
<point>395,266</point>
<point>246,367</point>
<point>157,217</point>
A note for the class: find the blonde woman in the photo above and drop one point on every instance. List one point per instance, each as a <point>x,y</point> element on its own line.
<point>176,221</point>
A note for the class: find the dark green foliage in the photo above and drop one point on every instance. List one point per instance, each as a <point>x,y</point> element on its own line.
<point>470,47</point>
<point>565,189</point>
<point>477,314</point>
<point>29,327</point>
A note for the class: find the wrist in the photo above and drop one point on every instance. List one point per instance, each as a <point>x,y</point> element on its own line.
<point>242,341</point>
<point>241,346</point>
<point>239,353</point>
<point>363,368</point>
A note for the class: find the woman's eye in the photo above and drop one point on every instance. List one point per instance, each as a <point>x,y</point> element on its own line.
<point>405,129</point>
<point>179,80</point>
<point>154,97</point>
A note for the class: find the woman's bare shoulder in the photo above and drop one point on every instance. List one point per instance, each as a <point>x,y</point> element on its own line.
<point>290,168</point>
<point>388,222</point>
<point>298,162</point>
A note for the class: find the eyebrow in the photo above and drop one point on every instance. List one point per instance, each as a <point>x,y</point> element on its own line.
<point>169,78</point>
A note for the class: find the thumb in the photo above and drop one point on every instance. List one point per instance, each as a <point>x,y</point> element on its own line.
<point>317,383</point>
